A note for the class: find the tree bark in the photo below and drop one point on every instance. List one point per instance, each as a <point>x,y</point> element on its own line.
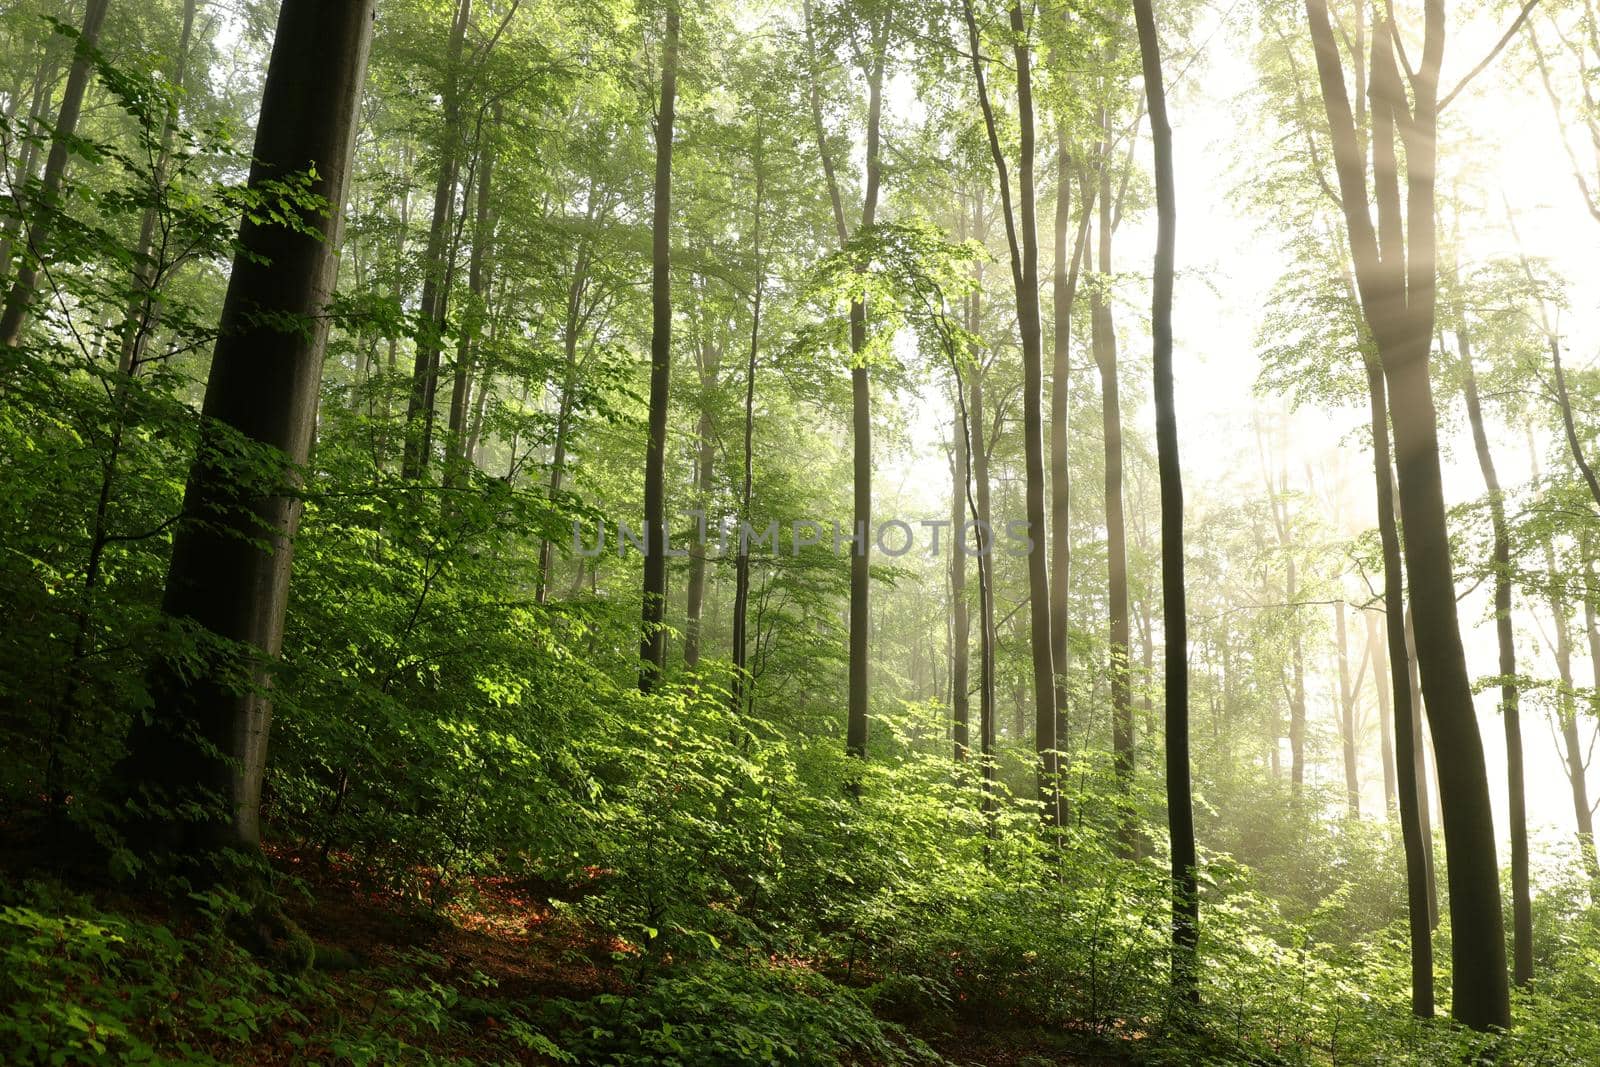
<point>1510,713</point>
<point>1396,278</point>
<point>139,321</point>
<point>436,272</point>
<point>695,591</point>
<point>960,616</point>
<point>859,696</point>
<point>1407,709</point>
<point>653,643</point>
<point>1065,294</point>
<point>1024,249</point>
<point>229,576</point>
<point>741,571</point>
<point>1174,610</point>
<point>52,184</point>
<point>479,270</point>
<point>1103,340</point>
<point>1347,713</point>
<point>1380,681</point>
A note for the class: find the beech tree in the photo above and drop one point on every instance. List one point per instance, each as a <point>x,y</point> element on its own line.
<point>228,581</point>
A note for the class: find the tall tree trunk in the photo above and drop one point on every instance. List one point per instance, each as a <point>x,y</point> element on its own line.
<point>436,271</point>
<point>43,86</point>
<point>1567,424</point>
<point>479,268</point>
<point>741,570</point>
<point>1174,611</point>
<point>1521,901</point>
<point>695,593</point>
<point>1347,713</point>
<point>1103,340</point>
<point>1407,709</point>
<point>859,697</point>
<point>961,618</point>
<point>139,321</point>
<point>1024,248</point>
<point>52,184</point>
<point>229,576</point>
<point>1566,707</point>
<point>1065,293</point>
<point>1419,754</point>
<point>1567,715</point>
<point>979,452</point>
<point>564,403</point>
<point>1580,792</point>
<point>1397,281</point>
<point>1380,682</point>
<point>653,644</point>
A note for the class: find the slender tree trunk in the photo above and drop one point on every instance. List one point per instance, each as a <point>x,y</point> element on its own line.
<point>1413,796</point>
<point>229,576</point>
<point>1347,713</point>
<point>569,383</point>
<point>1396,275</point>
<point>859,696</point>
<point>1104,342</point>
<point>695,593</point>
<point>985,556</point>
<point>479,269</point>
<point>1419,751</point>
<point>19,300</point>
<point>1065,293</point>
<point>1567,424</point>
<point>653,645</point>
<point>1174,611</point>
<point>1380,681</point>
<point>139,321</point>
<point>961,618</point>
<point>1024,248</point>
<point>741,571</point>
<point>43,86</point>
<point>1521,901</point>
<point>436,271</point>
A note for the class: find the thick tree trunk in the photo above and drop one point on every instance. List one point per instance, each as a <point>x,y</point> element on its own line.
<point>51,185</point>
<point>1511,717</point>
<point>1174,610</point>
<point>653,643</point>
<point>229,575</point>
<point>436,271</point>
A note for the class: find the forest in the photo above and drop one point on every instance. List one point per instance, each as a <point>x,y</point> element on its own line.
<point>742,532</point>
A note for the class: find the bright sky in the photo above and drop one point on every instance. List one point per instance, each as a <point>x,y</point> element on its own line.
<point>1227,263</point>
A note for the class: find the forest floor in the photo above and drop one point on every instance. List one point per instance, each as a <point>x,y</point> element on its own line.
<point>512,941</point>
